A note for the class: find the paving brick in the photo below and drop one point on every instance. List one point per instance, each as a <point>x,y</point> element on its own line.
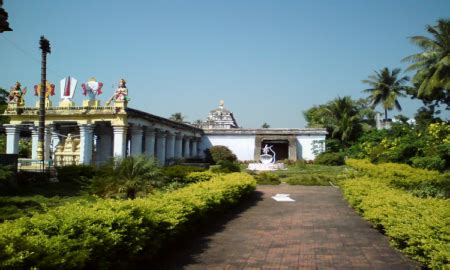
<point>317,231</point>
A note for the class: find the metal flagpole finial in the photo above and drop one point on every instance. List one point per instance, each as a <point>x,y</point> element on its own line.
<point>44,45</point>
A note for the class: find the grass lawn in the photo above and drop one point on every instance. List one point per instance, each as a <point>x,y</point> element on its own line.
<point>37,198</point>
<point>313,175</point>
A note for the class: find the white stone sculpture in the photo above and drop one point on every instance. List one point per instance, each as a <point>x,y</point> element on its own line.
<point>267,161</point>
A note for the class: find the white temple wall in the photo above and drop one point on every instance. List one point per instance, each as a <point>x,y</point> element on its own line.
<point>305,146</point>
<point>243,146</point>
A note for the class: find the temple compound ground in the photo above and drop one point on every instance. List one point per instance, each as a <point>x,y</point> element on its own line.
<point>317,231</point>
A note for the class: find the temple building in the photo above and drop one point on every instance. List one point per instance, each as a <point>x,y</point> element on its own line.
<point>92,133</point>
<point>221,128</point>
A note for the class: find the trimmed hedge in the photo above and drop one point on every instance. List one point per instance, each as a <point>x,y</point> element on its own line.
<point>419,227</point>
<point>110,232</point>
<point>421,182</point>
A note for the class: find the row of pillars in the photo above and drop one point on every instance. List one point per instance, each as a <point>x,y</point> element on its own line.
<point>157,143</point>
<point>161,144</point>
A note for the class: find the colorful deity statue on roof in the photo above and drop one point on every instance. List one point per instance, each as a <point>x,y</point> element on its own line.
<point>49,91</point>
<point>121,93</point>
<point>92,88</point>
<point>16,95</point>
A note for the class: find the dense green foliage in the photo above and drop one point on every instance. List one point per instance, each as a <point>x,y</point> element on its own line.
<point>111,232</point>
<point>432,65</point>
<point>427,147</point>
<point>331,159</point>
<point>300,173</point>
<point>179,173</point>
<point>266,178</point>
<point>127,177</point>
<point>418,226</point>
<point>226,166</point>
<point>219,152</point>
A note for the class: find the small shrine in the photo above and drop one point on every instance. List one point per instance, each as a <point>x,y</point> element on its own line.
<point>67,151</point>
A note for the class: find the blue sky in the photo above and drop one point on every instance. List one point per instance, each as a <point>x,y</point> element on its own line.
<point>268,60</point>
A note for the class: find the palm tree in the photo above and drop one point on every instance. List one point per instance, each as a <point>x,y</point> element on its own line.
<point>433,63</point>
<point>265,125</point>
<point>385,89</point>
<point>343,118</point>
<point>177,117</point>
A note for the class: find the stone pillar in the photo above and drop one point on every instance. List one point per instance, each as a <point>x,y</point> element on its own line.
<point>149,143</point>
<point>120,136</point>
<point>12,139</point>
<point>170,146</point>
<point>178,146</point>
<point>86,139</point>
<point>187,147</point>
<point>194,152</point>
<point>136,140</point>
<point>34,142</point>
<point>161,148</point>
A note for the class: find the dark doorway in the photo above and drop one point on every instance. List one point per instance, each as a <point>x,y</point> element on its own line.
<point>280,147</point>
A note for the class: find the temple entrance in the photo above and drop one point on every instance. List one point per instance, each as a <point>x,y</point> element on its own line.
<point>281,148</point>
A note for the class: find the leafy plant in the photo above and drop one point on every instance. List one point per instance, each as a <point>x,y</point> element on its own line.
<point>127,176</point>
<point>220,153</point>
<point>266,178</point>
<point>331,159</point>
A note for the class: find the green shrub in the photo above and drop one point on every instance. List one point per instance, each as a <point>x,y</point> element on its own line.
<point>5,173</point>
<point>127,177</point>
<point>430,163</point>
<point>178,173</point>
<point>331,159</point>
<point>219,153</point>
<point>226,166</point>
<point>266,178</point>
<point>75,173</point>
<point>405,177</point>
<point>110,232</point>
<point>195,177</point>
<point>309,179</point>
<point>416,226</point>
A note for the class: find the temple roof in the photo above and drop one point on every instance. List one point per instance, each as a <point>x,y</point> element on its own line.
<point>220,118</point>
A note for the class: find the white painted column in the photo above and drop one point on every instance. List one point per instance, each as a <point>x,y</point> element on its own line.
<point>12,139</point>
<point>86,139</point>
<point>187,147</point>
<point>149,143</point>
<point>120,136</point>
<point>161,148</point>
<point>136,140</point>
<point>178,146</point>
<point>194,147</point>
<point>54,141</point>
<point>170,146</point>
<point>34,141</point>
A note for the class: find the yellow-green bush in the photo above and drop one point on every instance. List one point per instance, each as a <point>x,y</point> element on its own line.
<point>421,182</point>
<point>81,235</point>
<point>419,227</point>
<point>195,177</point>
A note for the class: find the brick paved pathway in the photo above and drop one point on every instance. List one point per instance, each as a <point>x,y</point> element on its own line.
<point>317,231</point>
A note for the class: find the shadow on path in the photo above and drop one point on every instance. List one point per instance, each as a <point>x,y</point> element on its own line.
<point>185,251</point>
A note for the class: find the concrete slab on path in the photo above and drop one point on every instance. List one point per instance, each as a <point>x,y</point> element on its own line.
<point>317,231</point>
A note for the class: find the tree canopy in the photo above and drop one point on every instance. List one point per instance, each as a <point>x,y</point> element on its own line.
<point>386,88</point>
<point>432,65</point>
